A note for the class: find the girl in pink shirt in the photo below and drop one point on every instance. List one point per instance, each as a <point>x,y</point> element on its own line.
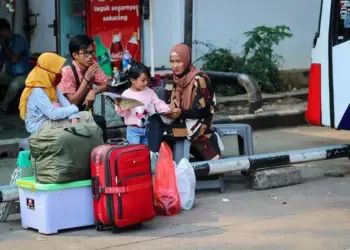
<point>136,119</point>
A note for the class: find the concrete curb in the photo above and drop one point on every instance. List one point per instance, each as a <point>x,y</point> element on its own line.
<point>243,99</point>
<point>267,120</point>
<point>275,178</point>
<point>9,148</point>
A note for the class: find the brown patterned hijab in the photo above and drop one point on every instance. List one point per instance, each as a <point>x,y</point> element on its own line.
<point>184,82</point>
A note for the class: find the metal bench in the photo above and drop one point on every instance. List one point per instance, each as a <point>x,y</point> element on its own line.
<point>245,147</point>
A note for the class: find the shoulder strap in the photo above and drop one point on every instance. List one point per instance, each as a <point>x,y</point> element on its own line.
<point>77,84</point>
<point>76,77</point>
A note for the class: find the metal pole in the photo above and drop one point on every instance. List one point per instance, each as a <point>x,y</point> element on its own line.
<point>13,18</point>
<point>247,82</point>
<point>151,36</point>
<point>255,162</point>
<point>188,29</point>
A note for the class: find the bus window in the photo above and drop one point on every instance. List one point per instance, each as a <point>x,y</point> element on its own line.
<point>319,26</point>
<point>341,22</point>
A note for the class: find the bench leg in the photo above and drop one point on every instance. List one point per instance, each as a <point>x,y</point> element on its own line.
<point>222,183</point>
<point>241,148</point>
<point>181,150</point>
<point>212,184</point>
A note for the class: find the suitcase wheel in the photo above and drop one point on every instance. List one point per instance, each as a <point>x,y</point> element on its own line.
<point>99,226</point>
<point>137,226</point>
<point>115,229</point>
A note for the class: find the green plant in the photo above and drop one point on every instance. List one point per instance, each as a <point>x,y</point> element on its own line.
<point>222,59</point>
<point>257,59</point>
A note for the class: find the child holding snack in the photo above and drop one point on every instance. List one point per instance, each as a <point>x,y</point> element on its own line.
<point>136,118</point>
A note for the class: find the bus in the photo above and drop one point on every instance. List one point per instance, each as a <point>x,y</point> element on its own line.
<point>329,80</point>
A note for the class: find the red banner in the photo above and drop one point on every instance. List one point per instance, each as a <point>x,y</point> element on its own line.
<point>115,27</point>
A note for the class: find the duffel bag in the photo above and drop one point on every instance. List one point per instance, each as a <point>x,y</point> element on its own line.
<point>63,155</point>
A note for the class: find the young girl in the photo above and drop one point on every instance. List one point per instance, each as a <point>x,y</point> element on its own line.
<point>136,119</point>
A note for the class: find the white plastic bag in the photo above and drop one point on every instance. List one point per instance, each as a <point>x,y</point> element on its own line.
<point>186,184</point>
<point>154,159</point>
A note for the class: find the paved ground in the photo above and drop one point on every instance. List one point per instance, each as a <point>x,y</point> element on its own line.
<point>313,215</point>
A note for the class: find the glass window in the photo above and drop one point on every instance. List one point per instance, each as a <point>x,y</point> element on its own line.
<point>341,21</point>
<point>319,26</point>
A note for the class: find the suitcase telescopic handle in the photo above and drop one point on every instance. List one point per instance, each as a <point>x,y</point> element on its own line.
<point>95,185</point>
<point>117,141</point>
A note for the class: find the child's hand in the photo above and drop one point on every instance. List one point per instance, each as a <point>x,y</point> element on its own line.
<point>174,113</point>
<point>174,104</point>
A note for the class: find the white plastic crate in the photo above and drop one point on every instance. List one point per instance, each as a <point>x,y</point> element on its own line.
<point>52,207</point>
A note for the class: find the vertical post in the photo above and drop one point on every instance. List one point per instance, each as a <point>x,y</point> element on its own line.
<point>188,22</point>
<point>151,36</point>
<point>27,21</point>
<point>13,18</point>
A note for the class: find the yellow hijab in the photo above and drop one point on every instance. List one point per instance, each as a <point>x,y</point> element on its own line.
<point>42,76</point>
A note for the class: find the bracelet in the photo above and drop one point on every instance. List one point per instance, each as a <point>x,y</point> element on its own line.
<point>86,80</point>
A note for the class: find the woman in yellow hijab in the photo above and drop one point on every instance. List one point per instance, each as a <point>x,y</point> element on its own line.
<point>42,105</point>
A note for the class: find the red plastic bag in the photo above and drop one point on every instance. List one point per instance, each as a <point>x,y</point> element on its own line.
<point>166,195</point>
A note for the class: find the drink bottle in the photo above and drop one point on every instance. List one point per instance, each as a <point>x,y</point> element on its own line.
<point>102,56</point>
<point>116,51</point>
<point>126,60</point>
<point>132,46</point>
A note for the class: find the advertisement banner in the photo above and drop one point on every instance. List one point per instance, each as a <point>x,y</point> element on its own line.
<point>115,27</point>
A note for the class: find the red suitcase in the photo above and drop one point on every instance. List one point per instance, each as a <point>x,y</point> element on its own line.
<point>121,185</point>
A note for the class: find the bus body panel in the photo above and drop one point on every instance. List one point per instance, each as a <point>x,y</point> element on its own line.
<point>341,85</point>
<point>331,53</point>
<point>323,55</point>
<point>320,55</point>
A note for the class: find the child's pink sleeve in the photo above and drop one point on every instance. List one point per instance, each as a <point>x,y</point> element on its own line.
<point>122,113</point>
<point>159,105</point>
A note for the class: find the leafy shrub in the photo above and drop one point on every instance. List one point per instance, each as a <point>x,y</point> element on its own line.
<point>257,59</point>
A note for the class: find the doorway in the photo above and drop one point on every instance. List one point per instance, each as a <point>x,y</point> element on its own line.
<point>44,37</point>
<point>70,22</point>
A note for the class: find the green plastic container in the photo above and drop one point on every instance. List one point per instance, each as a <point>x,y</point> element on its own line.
<point>23,159</point>
<point>49,208</point>
<point>30,183</point>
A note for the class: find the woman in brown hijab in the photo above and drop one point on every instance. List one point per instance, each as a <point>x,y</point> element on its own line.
<point>193,101</point>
